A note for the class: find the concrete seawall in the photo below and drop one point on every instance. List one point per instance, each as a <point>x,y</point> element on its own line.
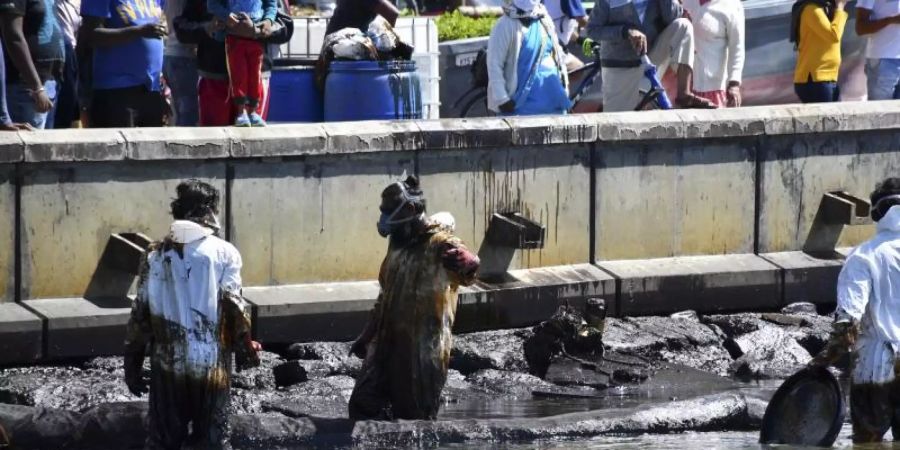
<point>655,211</point>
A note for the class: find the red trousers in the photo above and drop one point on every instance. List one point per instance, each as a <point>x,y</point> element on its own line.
<point>245,59</point>
<point>216,107</point>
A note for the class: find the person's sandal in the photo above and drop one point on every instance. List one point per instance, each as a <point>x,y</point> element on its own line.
<point>694,102</point>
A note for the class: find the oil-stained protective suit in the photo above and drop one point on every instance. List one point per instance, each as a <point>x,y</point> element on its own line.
<point>406,361</point>
<point>189,314</point>
<point>868,321</point>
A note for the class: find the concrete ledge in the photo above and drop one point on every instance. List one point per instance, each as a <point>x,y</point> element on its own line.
<point>75,327</point>
<point>177,143</point>
<point>311,312</point>
<point>530,296</point>
<point>720,123</point>
<point>74,145</point>
<point>378,136</point>
<point>12,148</point>
<point>531,130</point>
<point>705,284</point>
<point>372,136</point>
<point>276,140</point>
<point>806,278</point>
<point>639,125</point>
<point>466,133</point>
<point>21,335</point>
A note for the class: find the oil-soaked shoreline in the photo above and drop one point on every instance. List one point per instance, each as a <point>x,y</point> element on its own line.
<point>699,374</point>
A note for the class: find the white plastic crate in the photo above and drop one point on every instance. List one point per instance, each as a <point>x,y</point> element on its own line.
<point>430,79</point>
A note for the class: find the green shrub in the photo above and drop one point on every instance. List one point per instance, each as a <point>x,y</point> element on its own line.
<point>453,26</point>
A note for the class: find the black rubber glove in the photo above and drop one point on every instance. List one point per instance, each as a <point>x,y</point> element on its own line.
<point>508,107</point>
<point>843,337</point>
<point>137,381</point>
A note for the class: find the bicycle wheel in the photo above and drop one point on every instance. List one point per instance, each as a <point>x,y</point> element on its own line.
<point>476,107</point>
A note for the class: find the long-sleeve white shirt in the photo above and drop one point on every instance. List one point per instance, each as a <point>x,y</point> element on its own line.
<point>719,43</point>
<point>869,293</point>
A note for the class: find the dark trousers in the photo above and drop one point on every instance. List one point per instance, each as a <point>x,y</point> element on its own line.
<point>818,91</point>
<point>128,107</point>
<point>67,110</point>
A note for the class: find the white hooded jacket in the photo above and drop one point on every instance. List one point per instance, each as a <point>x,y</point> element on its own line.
<point>184,291</point>
<point>869,293</point>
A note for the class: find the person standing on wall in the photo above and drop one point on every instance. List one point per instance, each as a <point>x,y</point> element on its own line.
<point>628,29</point>
<point>66,112</point>
<point>197,26</point>
<point>245,55</point>
<point>6,123</point>
<point>180,70</point>
<point>34,56</point>
<point>880,21</point>
<point>126,38</point>
<point>719,60</point>
<point>817,27</point>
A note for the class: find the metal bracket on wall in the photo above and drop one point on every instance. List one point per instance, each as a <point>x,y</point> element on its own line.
<point>117,270</point>
<point>507,233</point>
<point>836,210</point>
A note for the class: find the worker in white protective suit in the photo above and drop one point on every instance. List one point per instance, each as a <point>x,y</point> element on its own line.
<point>867,321</point>
<point>189,318</point>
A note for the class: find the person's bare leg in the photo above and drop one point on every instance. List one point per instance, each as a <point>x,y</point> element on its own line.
<point>686,98</point>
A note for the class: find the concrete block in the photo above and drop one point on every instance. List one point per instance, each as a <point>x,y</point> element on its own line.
<point>816,118</point>
<point>706,284</point>
<point>21,335</point>
<point>796,171</point>
<point>549,185</point>
<point>372,136</point>
<point>866,116</point>
<point>779,121</point>
<point>69,210</point>
<point>807,278</point>
<point>277,140</point>
<point>527,297</point>
<point>694,197</point>
<point>77,328</point>
<point>312,219</point>
<point>639,125</point>
<point>12,147</point>
<point>74,145</point>
<point>547,130</point>
<point>7,233</point>
<point>177,143</point>
<point>722,123</point>
<point>466,133</point>
<point>311,312</point>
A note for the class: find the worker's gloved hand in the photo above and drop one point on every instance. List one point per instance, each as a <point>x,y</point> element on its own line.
<point>358,349</point>
<point>137,380</point>
<point>508,107</point>
<point>247,356</point>
<point>587,47</point>
<point>843,338</point>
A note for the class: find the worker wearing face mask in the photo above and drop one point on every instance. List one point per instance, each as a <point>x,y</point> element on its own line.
<point>867,321</point>
<point>406,343</point>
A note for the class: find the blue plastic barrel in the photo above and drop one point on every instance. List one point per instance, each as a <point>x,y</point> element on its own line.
<point>294,96</point>
<point>372,90</point>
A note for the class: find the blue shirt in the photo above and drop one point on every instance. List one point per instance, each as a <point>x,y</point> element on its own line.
<point>135,63</point>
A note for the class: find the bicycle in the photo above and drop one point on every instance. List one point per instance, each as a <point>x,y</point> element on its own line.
<point>475,99</point>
